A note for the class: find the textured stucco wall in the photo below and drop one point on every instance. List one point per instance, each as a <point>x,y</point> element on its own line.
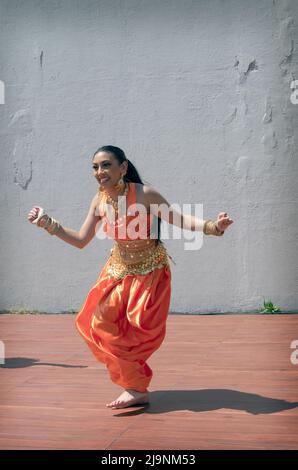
<point>197,93</point>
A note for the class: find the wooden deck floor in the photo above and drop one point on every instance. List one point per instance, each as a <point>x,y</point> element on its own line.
<point>220,382</point>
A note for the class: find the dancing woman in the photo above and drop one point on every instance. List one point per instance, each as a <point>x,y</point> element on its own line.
<point>123,318</point>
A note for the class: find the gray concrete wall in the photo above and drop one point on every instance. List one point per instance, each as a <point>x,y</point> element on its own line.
<point>197,93</point>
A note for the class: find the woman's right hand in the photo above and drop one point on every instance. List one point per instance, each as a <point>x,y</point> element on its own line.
<point>33,215</point>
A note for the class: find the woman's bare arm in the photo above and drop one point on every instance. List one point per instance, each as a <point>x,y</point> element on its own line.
<point>81,238</point>
<point>168,213</point>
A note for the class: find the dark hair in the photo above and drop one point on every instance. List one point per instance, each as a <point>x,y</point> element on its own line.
<point>132,174</point>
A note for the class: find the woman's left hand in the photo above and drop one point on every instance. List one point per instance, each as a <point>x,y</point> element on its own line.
<point>223,221</point>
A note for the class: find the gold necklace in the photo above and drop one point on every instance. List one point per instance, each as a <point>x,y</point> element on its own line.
<point>114,203</point>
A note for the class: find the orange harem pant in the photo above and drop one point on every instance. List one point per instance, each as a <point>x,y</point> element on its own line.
<point>124,322</point>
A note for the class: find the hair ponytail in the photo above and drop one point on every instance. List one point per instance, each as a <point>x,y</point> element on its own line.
<point>132,173</point>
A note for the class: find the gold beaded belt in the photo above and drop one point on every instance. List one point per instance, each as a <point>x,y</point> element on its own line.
<point>136,257</point>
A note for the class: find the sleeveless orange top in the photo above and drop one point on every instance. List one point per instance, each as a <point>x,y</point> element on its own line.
<point>130,222</point>
<point>137,249</point>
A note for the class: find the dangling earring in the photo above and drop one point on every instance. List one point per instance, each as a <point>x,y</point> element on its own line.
<point>120,185</point>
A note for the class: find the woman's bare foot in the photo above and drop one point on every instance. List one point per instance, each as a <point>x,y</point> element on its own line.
<point>129,397</point>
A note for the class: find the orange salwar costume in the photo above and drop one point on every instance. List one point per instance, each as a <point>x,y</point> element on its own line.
<point>123,319</point>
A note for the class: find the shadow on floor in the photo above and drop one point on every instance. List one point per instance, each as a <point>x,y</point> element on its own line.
<point>20,362</point>
<point>209,400</point>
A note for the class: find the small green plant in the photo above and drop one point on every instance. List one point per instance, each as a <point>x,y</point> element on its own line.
<point>72,310</point>
<point>269,307</point>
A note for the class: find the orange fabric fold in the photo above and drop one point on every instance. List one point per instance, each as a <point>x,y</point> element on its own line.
<point>124,321</point>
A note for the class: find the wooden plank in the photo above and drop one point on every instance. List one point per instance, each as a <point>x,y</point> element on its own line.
<point>220,382</point>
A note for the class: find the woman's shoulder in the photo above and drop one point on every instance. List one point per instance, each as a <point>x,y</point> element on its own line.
<point>144,188</point>
<point>144,193</point>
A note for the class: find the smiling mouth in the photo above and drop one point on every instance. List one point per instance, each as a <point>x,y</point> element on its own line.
<point>103,180</point>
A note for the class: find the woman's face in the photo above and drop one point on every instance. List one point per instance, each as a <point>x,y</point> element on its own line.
<point>107,169</point>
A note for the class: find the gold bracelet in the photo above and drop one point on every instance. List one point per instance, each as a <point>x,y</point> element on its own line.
<point>44,216</point>
<point>48,223</point>
<point>210,228</point>
<point>53,226</point>
<point>55,229</point>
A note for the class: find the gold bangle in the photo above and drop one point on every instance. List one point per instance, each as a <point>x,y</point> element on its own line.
<point>53,227</point>
<point>48,223</point>
<point>44,216</point>
<point>56,228</point>
<point>210,228</point>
